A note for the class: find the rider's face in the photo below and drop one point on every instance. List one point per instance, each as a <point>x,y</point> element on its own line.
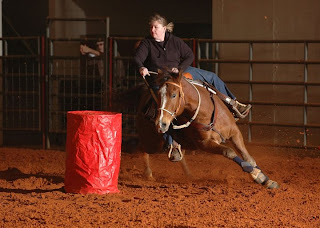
<point>157,31</point>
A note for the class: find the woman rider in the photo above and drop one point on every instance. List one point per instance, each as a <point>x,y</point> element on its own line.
<point>164,50</point>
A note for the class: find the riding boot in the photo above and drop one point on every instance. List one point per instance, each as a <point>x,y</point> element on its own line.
<point>240,110</point>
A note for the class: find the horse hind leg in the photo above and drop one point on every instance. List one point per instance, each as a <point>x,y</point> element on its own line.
<point>147,170</point>
<point>255,172</point>
<point>184,166</point>
<point>238,143</point>
<point>249,165</point>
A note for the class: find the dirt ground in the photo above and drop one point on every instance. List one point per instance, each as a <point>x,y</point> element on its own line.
<point>219,194</point>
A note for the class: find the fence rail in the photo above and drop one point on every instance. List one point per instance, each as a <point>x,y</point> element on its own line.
<point>280,78</point>
<point>301,56</point>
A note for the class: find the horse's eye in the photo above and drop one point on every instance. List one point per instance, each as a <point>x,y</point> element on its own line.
<point>173,95</point>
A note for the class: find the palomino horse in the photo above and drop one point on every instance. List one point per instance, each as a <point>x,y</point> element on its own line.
<point>200,120</point>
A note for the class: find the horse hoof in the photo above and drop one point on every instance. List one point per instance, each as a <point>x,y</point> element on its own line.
<point>150,178</point>
<point>270,184</point>
<point>148,174</point>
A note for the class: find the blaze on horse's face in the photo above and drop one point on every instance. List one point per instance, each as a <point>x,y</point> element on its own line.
<point>169,100</point>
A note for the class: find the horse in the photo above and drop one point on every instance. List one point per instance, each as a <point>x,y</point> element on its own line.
<point>198,120</point>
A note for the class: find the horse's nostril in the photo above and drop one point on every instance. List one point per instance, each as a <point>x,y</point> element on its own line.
<point>163,125</point>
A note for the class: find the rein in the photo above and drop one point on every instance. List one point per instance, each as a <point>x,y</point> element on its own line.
<point>150,89</point>
<point>182,98</point>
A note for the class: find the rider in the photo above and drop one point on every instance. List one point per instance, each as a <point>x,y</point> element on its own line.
<point>164,50</point>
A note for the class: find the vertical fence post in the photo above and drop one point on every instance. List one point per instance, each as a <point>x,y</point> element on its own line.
<point>250,89</point>
<point>216,57</point>
<point>194,48</point>
<point>305,100</point>
<point>107,67</point>
<point>43,92</point>
<point>48,70</point>
<point>110,67</point>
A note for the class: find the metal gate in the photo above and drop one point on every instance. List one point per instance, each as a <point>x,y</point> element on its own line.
<point>21,90</point>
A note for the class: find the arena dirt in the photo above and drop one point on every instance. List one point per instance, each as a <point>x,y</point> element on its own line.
<point>218,195</point>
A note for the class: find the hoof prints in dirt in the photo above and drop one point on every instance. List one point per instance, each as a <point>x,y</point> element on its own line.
<point>31,193</point>
<point>19,182</point>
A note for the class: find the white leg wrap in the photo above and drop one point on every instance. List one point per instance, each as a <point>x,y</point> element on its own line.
<point>258,176</point>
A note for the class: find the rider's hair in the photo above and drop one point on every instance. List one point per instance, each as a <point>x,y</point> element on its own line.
<point>162,20</point>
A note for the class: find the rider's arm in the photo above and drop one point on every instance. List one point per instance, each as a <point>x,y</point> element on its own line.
<point>187,56</point>
<point>141,55</point>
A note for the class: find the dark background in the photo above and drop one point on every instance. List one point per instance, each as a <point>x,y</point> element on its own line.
<point>24,18</point>
<point>29,18</point>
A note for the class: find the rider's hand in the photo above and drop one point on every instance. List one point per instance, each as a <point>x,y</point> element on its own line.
<point>144,71</point>
<point>175,70</point>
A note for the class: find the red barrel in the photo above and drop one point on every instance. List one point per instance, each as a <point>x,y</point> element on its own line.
<point>93,152</point>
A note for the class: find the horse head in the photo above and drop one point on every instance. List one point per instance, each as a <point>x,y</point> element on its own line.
<point>170,98</point>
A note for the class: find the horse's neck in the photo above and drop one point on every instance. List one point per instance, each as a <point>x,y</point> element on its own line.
<point>192,97</point>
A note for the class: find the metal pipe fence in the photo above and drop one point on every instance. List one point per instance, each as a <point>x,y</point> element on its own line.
<point>44,78</point>
<point>288,54</point>
<point>21,80</point>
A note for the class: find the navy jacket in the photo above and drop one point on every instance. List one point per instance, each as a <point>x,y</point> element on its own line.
<point>173,52</point>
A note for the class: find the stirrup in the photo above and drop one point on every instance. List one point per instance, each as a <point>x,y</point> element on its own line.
<point>170,151</point>
<point>176,157</point>
<point>238,113</point>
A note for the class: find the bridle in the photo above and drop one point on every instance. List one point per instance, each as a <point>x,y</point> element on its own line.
<point>174,114</point>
